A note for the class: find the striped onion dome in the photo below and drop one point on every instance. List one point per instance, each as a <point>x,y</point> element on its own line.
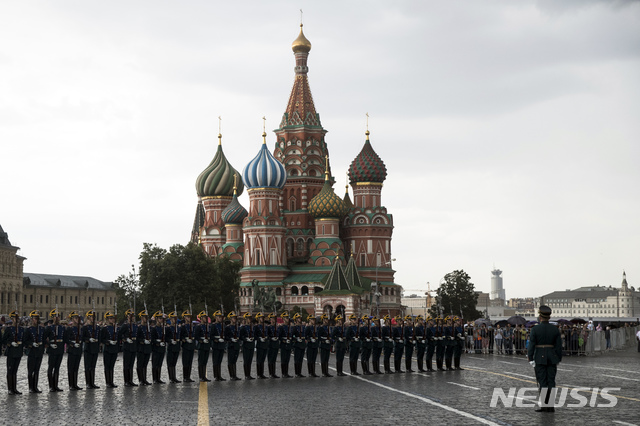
<point>234,213</point>
<point>264,171</point>
<point>327,204</point>
<point>217,178</point>
<point>367,166</point>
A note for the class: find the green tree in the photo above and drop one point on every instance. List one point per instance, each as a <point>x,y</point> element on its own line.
<point>180,275</point>
<point>127,292</point>
<point>456,296</point>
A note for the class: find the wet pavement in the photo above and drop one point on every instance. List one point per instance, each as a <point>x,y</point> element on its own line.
<point>457,397</point>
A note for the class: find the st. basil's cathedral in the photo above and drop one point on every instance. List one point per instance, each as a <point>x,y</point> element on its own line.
<point>316,250</point>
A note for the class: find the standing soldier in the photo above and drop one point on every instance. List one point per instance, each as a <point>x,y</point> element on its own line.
<point>274,346</point>
<point>127,335</point>
<point>284,334</point>
<point>378,344</point>
<point>202,336</point>
<point>231,335</point>
<point>13,338</point>
<point>91,339</point>
<point>299,344</point>
<point>173,351</point>
<point>248,345</point>
<point>409,342</point>
<point>459,346</point>
<point>421,342</point>
<point>143,341</point>
<point>188,346</point>
<point>367,344</point>
<point>311,336</point>
<point>55,350</point>
<point>449,334</point>
<point>262,344</point>
<point>324,334</point>
<point>398,337</point>
<point>73,340</point>
<point>160,335</point>
<point>430,334</point>
<point>387,337</point>
<point>353,337</point>
<point>34,343</point>
<point>439,336</point>
<point>338,336</point>
<point>218,345</point>
<point>110,337</point>
<point>544,354</point>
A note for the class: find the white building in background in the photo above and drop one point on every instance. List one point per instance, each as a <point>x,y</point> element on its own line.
<point>594,302</point>
<point>497,290</point>
<point>415,305</point>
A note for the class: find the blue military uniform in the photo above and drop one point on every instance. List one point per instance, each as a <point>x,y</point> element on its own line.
<point>13,338</point>
<point>143,341</point>
<point>110,337</point>
<point>387,338</point>
<point>313,343</point>
<point>73,340</point>
<point>409,343</point>
<point>398,338</point>
<point>367,344</point>
<point>218,346</point>
<point>91,340</point>
<point>173,347</point>
<point>203,344</point>
<point>353,337</point>
<point>421,343</point>
<point>449,339</point>
<point>440,344</point>
<point>324,335</point>
<point>160,336</point>
<point>545,351</point>
<point>262,344</point>
<point>128,337</point>
<point>299,345</point>
<point>232,336</point>
<point>248,339</point>
<point>378,345</point>
<point>34,342</point>
<point>55,351</point>
<point>460,338</point>
<point>274,347</point>
<point>430,334</point>
<point>338,336</point>
<point>188,346</point>
<point>284,335</point>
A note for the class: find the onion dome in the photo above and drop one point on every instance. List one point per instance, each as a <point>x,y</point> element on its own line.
<point>264,171</point>
<point>217,178</point>
<point>301,44</point>
<point>327,204</point>
<point>234,213</point>
<point>367,166</point>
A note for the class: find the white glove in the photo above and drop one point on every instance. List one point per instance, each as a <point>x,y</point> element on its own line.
<point>533,363</point>
<point>158,340</point>
<point>189,340</point>
<point>129,341</point>
<point>234,340</point>
<point>112,342</point>
<point>14,344</point>
<point>76,345</point>
<point>54,346</point>
<point>205,340</point>
<point>274,339</point>
<point>146,342</point>
<point>162,344</point>
<point>92,340</point>
<point>173,342</point>
<point>35,345</point>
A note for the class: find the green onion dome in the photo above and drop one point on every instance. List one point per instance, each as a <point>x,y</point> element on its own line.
<point>217,178</point>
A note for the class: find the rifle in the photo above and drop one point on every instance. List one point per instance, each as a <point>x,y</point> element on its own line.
<point>17,318</point>
<point>175,309</point>
<point>236,308</point>
<point>93,301</point>
<point>206,313</point>
<point>222,322</point>
<point>55,328</point>
<point>164,322</point>
<point>78,335</point>
<point>148,328</point>
<point>191,312</point>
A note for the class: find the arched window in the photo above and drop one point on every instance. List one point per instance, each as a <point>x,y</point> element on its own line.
<point>300,244</point>
<point>304,291</point>
<point>293,172</point>
<point>294,291</point>
<point>392,292</point>
<point>386,291</point>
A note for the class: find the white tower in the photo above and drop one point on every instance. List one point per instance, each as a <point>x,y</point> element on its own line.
<point>497,291</point>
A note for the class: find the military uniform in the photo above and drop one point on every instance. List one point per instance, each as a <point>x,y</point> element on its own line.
<point>34,342</point>
<point>367,344</point>
<point>274,346</point>
<point>73,340</point>
<point>299,345</point>
<point>440,344</point>
<point>449,339</point>
<point>409,342</point>
<point>284,335</point>
<point>430,334</point>
<point>55,351</point>
<point>218,346</point>
<point>203,344</point>
<point>143,342</point>
<point>160,335</point>
<point>398,337</point>
<point>91,340</point>
<point>545,353</point>
<point>188,346</point>
<point>353,337</point>
<point>378,345</point>
<point>421,342</point>
<point>110,337</point>
<point>248,345</point>
<point>311,337</point>
<point>232,337</point>
<point>13,338</point>
<point>459,345</point>
<point>387,338</point>
<point>173,348</point>
<point>262,344</point>
<point>128,334</point>
<point>338,336</point>
<point>324,335</point>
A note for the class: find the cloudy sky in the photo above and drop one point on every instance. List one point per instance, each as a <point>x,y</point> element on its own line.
<point>510,130</point>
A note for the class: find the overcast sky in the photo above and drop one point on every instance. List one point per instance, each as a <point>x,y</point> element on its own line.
<point>510,130</point>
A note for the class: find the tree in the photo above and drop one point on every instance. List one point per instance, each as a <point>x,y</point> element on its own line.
<point>127,290</point>
<point>456,296</point>
<point>178,276</point>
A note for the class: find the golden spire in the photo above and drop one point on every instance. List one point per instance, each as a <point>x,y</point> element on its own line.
<point>301,44</point>
<point>219,130</point>
<point>326,167</point>
<point>235,184</point>
<point>346,186</point>
<point>367,132</point>
<point>264,130</point>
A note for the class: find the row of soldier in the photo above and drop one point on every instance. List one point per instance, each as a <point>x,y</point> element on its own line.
<point>365,339</point>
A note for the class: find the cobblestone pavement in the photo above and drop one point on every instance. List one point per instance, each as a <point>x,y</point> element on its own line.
<point>460,397</point>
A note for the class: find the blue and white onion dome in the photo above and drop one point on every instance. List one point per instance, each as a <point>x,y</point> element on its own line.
<point>264,171</point>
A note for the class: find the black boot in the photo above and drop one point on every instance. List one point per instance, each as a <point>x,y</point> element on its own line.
<point>141,378</point>
<point>339,368</point>
<point>397,363</point>
<point>186,374</point>
<point>30,379</point>
<point>247,372</point>
<point>93,380</point>
<point>387,366</point>
<point>299,370</point>
<point>457,364</point>
<point>448,361</point>
<point>110,379</point>
<point>235,373</point>
<point>407,365</point>
<point>260,368</point>
<point>439,364</point>
<point>421,365</point>
<point>429,365</point>
<point>175,376</point>
<point>363,365</point>
<point>56,377</point>
<point>52,387</point>
<point>325,370</point>
<point>75,381</point>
